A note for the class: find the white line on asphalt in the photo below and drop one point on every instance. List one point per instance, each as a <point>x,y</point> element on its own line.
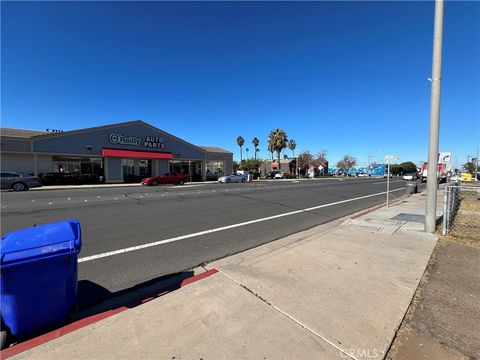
<point>205,232</point>
<point>385,181</point>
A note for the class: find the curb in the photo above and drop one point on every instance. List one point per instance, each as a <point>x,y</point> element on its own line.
<point>69,328</point>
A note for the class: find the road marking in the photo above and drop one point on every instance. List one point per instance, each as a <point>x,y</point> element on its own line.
<point>205,232</point>
<point>385,181</point>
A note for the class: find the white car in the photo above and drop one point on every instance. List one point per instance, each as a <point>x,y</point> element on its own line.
<point>278,176</point>
<point>410,176</point>
<point>232,178</point>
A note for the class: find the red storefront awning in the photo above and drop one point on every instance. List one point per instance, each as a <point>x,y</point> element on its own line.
<point>135,154</point>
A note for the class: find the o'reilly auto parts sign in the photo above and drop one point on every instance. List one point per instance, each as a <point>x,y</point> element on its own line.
<point>151,142</point>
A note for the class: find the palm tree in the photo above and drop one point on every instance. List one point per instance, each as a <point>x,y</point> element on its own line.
<point>240,142</point>
<point>270,150</point>
<point>292,145</point>
<point>278,141</point>
<point>247,150</point>
<point>255,143</point>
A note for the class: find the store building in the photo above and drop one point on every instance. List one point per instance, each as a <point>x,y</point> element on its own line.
<point>112,151</point>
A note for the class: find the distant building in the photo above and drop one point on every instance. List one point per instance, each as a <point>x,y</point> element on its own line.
<point>269,165</point>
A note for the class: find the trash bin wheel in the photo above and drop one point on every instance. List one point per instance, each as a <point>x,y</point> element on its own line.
<point>3,339</point>
<point>3,336</point>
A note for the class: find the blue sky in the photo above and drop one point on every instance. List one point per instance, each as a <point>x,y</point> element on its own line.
<point>345,77</point>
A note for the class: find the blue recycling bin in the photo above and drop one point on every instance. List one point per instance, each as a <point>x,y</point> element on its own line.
<point>39,276</point>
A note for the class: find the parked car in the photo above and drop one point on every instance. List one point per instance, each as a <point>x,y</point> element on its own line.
<point>232,178</point>
<point>410,176</point>
<point>271,174</point>
<point>19,182</point>
<point>167,178</point>
<point>362,174</point>
<point>279,175</point>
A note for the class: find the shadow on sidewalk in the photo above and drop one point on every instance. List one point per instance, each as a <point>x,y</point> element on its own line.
<point>94,298</point>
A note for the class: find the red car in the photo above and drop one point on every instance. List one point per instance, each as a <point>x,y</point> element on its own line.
<point>168,178</point>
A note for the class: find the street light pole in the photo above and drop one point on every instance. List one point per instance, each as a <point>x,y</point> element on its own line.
<point>432,185</point>
<point>388,159</point>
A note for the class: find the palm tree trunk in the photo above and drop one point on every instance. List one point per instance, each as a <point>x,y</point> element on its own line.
<point>240,154</point>
<point>278,159</point>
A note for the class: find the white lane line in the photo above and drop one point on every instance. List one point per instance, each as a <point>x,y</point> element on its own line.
<point>385,181</point>
<point>205,232</point>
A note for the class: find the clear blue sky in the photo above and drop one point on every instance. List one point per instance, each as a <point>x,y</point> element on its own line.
<point>345,77</point>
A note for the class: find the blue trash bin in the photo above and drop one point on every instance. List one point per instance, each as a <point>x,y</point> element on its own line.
<point>39,276</point>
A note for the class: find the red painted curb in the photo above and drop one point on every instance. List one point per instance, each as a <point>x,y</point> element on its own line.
<point>364,212</point>
<point>42,339</point>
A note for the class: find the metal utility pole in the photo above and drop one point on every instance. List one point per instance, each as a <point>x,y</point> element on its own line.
<point>432,185</point>
<point>388,159</point>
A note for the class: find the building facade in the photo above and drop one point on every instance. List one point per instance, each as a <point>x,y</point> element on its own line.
<point>113,152</point>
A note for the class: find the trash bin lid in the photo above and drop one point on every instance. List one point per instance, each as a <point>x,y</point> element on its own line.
<point>40,242</point>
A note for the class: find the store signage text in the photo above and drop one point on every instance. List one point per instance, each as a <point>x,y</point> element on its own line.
<point>154,142</point>
<point>124,140</point>
<point>151,142</point>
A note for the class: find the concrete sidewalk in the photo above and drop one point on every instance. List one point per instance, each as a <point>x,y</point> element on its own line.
<point>336,291</point>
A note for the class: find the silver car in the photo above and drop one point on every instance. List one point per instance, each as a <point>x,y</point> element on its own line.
<point>232,178</point>
<point>18,182</point>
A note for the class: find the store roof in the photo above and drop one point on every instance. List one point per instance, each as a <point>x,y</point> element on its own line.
<point>213,149</point>
<point>20,133</point>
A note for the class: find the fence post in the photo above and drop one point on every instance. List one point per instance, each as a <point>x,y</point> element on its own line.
<point>445,210</point>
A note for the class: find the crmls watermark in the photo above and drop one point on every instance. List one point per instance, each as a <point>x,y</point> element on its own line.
<point>373,353</point>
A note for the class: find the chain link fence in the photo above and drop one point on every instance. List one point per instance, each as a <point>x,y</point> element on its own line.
<point>462,211</point>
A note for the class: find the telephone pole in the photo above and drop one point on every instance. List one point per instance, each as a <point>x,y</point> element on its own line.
<point>432,184</point>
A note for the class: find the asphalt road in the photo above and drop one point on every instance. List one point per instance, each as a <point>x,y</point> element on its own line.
<point>183,226</point>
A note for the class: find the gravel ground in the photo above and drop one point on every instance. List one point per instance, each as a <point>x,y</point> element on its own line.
<point>443,321</point>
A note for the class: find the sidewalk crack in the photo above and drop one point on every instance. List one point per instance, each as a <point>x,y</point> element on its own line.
<point>349,356</point>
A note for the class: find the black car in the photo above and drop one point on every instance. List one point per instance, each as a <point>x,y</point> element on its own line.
<point>271,174</point>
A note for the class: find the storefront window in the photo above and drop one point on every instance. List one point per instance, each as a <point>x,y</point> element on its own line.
<point>91,166</point>
<point>145,168</point>
<point>78,165</point>
<point>191,168</point>
<point>215,169</point>
<point>128,167</point>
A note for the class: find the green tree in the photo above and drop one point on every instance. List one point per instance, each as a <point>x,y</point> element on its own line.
<point>251,164</point>
<point>236,166</point>
<point>247,151</point>
<point>469,167</point>
<point>408,167</point>
<point>278,141</point>
<point>255,143</point>
<point>240,142</point>
<point>292,145</point>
